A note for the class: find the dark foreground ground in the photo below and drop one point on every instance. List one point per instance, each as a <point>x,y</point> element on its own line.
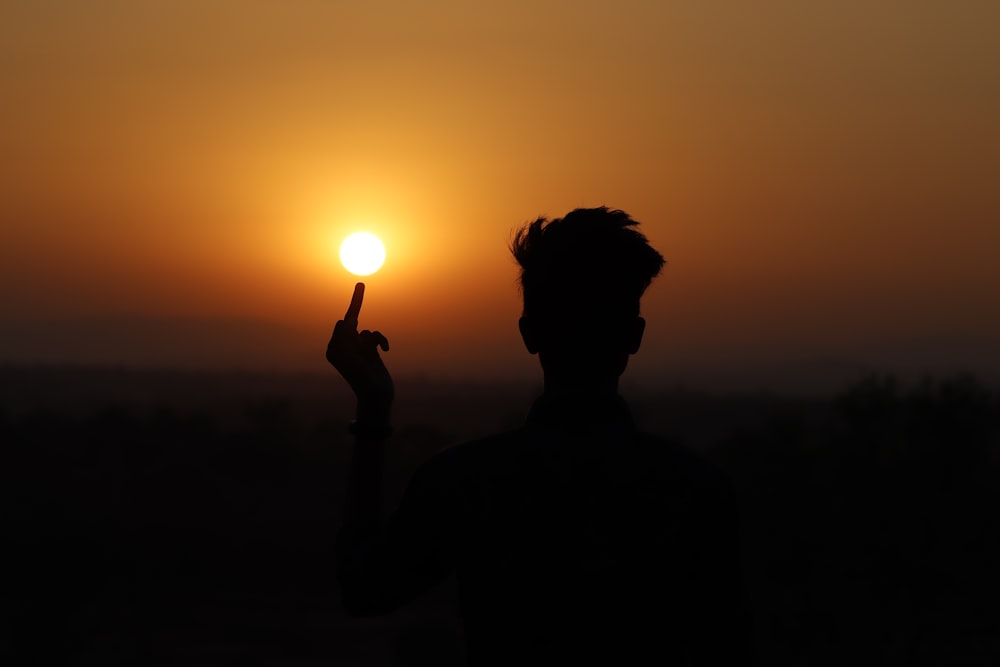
<point>182,519</point>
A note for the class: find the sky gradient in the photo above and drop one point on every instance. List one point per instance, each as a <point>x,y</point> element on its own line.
<point>822,178</point>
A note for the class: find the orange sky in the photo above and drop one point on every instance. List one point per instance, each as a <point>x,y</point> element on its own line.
<point>823,178</point>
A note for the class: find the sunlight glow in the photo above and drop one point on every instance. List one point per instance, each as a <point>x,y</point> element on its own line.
<point>362,253</point>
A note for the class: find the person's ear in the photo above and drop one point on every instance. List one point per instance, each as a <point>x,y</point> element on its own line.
<point>528,335</point>
<point>636,329</point>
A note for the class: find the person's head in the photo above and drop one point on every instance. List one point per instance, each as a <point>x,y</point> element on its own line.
<point>582,277</point>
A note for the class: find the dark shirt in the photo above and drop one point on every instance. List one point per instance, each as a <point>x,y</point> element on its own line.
<point>574,537</point>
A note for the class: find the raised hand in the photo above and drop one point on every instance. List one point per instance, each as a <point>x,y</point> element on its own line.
<point>355,356</point>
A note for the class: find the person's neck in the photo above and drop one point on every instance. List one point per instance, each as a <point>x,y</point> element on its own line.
<point>574,387</point>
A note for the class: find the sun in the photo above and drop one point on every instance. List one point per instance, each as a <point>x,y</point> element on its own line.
<point>362,253</point>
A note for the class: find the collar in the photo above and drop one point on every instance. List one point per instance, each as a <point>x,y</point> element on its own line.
<point>581,412</point>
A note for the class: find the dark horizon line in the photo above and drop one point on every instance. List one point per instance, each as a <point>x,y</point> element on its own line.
<point>680,383</point>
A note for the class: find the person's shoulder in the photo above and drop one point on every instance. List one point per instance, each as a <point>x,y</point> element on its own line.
<point>682,462</point>
<point>484,451</point>
<point>467,457</point>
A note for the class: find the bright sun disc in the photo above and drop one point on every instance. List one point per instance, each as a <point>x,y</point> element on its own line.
<point>362,254</point>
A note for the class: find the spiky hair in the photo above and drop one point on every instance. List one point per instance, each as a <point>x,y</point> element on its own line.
<point>589,256</point>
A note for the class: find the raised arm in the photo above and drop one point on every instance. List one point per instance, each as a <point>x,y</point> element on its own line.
<point>381,563</point>
<point>355,355</point>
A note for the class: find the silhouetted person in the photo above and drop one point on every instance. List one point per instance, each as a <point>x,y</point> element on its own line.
<point>575,537</point>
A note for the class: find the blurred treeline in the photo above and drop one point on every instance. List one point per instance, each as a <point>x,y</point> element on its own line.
<point>184,518</point>
<point>872,535</point>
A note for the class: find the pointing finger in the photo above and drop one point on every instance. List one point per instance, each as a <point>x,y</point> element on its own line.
<point>355,308</point>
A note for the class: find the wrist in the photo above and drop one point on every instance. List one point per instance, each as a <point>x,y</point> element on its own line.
<point>369,430</point>
<point>374,414</point>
